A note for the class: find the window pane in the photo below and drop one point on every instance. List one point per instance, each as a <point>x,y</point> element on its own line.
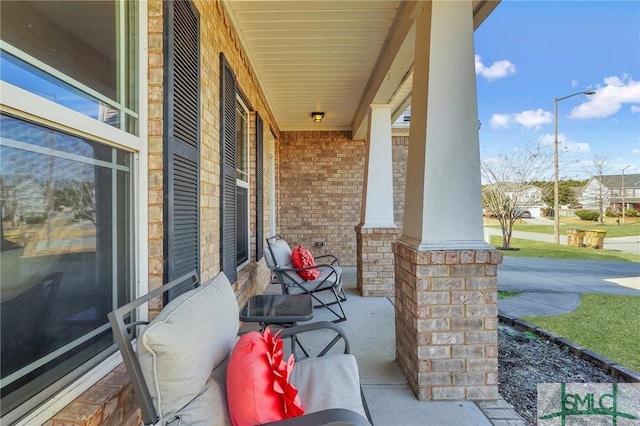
<point>242,223</point>
<point>242,143</point>
<point>72,53</point>
<point>66,254</point>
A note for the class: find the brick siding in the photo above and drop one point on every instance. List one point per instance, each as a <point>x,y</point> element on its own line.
<point>400,152</point>
<point>320,191</point>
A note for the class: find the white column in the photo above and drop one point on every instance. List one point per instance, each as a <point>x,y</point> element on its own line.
<point>377,193</point>
<point>443,201</point>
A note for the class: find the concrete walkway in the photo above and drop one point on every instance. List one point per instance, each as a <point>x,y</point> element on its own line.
<point>370,328</point>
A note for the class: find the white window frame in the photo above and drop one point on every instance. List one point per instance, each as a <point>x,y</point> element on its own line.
<point>27,105</point>
<point>247,184</point>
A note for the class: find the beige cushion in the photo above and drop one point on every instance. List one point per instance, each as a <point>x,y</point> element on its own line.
<point>181,347</point>
<point>330,381</point>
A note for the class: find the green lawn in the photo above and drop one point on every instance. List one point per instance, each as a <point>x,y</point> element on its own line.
<point>530,248</point>
<point>631,227</point>
<point>606,324</point>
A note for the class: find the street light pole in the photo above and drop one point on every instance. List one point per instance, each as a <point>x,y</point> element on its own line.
<point>556,174</point>
<point>623,191</point>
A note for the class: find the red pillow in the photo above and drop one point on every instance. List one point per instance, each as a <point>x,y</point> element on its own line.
<point>258,388</point>
<point>302,258</point>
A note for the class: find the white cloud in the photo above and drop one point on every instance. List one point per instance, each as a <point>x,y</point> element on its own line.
<point>635,108</point>
<point>500,121</point>
<point>495,71</point>
<point>635,151</point>
<point>549,138</point>
<point>533,118</point>
<point>564,145</point>
<point>574,83</point>
<point>609,98</point>
<point>528,119</point>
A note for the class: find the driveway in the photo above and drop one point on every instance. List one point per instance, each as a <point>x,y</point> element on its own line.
<point>553,286</point>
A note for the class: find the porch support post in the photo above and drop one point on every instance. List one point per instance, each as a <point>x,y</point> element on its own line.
<point>445,274</point>
<point>376,229</point>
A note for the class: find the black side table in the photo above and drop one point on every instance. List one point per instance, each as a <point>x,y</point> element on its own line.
<point>280,309</point>
<point>284,310</point>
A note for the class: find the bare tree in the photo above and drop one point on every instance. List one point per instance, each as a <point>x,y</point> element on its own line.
<point>595,191</point>
<point>507,189</point>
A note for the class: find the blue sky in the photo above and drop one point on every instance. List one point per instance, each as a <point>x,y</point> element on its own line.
<point>530,52</point>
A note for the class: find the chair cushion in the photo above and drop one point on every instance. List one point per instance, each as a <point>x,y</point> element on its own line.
<point>281,253</point>
<point>341,371</point>
<point>302,258</point>
<point>258,387</point>
<point>190,337</point>
<point>327,279</point>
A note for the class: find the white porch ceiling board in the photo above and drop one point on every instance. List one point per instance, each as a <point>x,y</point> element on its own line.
<point>336,56</point>
<point>313,55</point>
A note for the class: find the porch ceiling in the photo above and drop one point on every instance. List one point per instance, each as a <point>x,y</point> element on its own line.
<point>336,56</point>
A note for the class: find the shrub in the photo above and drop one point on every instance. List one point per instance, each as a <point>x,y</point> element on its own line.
<point>612,213</point>
<point>587,214</point>
<point>632,212</point>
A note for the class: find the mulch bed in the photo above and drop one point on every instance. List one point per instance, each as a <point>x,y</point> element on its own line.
<point>524,360</point>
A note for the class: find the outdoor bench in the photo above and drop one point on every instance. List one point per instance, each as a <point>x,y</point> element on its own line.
<point>178,362</point>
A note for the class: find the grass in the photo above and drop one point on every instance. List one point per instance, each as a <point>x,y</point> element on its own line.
<point>530,248</point>
<point>630,228</point>
<point>504,294</point>
<point>604,323</point>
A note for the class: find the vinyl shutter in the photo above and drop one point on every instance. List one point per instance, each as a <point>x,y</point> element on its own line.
<point>259,188</point>
<point>181,142</point>
<point>228,170</point>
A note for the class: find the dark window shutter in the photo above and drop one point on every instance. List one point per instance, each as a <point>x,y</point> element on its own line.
<point>228,170</point>
<point>181,143</point>
<point>259,188</point>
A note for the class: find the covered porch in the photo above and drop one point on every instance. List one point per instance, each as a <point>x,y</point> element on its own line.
<point>227,144</point>
<point>404,210</point>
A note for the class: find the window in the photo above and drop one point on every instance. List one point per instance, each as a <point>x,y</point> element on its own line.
<point>242,183</point>
<point>67,190</point>
<point>74,53</point>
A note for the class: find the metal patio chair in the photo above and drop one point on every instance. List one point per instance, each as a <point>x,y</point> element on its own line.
<point>278,258</point>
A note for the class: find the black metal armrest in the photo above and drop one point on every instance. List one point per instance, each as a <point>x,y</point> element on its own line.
<point>334,261</point>
<point>319,325</point>
<point>334,416</point>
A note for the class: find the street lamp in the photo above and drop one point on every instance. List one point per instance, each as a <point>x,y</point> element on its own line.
<point>556,177</point>
<point>623,191</point>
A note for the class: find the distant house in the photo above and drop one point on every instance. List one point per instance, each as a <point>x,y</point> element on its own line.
<point>525,197</point>
<point>612,191</point>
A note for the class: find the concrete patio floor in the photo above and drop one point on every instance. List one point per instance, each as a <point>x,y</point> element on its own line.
<point>370,330</point>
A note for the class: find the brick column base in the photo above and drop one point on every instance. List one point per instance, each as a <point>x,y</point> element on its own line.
<point>446,322</point>
<point>375,260</point>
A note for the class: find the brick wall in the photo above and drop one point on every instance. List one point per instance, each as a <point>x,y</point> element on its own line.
<point>320,191</point>
<point>109,402</point>
<point>400,151</point>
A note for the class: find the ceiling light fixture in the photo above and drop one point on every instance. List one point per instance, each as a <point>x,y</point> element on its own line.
<point>317,116</point>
